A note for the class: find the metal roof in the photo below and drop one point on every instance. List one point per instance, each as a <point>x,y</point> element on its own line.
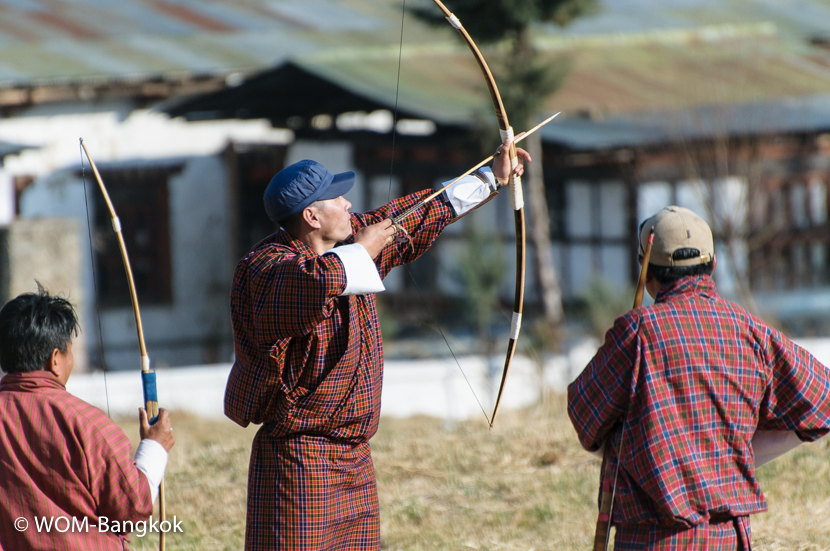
<point>606,79</point>
<point>59,40</point>
<point>807,114</point>
<point>634,56</point>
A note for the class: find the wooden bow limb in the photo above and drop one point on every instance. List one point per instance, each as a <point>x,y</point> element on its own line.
<point>609,489</point>
<point>516,197</point>
<point>148,376</point>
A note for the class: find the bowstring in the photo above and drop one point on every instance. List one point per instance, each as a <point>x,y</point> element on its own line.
<point>389,198</point>
<point>395,114</point>
<point>94,283</point>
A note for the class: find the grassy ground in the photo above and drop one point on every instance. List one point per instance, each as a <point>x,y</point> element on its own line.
<point>525,485</point>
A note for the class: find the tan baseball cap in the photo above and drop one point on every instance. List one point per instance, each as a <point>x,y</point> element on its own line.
<point>677,228</point>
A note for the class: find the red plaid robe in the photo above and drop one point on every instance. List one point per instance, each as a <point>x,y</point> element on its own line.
<point>61,457</point>
<point>309,364</point>
<point>693,376</point>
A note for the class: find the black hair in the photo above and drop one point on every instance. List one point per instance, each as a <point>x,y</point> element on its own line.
<point>292,223</point>
<point>32,326</point>
<point>670,274</point>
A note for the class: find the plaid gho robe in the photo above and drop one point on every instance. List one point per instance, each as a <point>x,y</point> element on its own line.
<point>694,376</point>
<point>309,365</point>
<point>61,457</point>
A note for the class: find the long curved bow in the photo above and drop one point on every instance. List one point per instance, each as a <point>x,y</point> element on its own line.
<point>516,200</point>
<point>602,533</point>
<point>148,376</point>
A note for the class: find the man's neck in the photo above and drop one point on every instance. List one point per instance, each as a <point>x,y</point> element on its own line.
<point>314,241</point>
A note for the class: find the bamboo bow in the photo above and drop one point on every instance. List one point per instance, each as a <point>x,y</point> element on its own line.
<point>609,490</point>
<point>516,200</point>
<point>148,376</point>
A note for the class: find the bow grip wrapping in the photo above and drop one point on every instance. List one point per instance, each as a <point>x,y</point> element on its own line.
<point>517,199</point>
<point>148,385</point>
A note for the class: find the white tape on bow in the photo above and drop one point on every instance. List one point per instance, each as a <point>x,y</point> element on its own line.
<point>515,326</point>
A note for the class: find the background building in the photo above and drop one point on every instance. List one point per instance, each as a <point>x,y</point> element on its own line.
<point>190,107</point>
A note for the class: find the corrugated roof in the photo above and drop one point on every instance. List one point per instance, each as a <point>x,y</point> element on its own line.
<point>676,76</point>
<point>445,84</point>
<point>806,114</point>
<point>760,85</point>
<point>74,39</point>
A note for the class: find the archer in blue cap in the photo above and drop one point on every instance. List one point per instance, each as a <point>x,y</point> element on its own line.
<point>309,356</point>
<point>301,184</point>
<point>307,201</point>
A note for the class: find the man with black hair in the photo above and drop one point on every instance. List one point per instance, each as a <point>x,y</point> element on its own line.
<point>690,395</point>
<point>59,456</point>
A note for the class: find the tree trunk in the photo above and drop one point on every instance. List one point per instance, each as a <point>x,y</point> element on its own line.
<point>537,204</point>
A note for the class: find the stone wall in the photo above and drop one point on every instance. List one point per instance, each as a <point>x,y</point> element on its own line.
<point>48,251</point>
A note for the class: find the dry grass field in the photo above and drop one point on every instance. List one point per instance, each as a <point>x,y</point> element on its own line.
<point>524,485</point>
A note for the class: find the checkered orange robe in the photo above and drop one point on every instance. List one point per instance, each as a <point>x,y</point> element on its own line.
<point>61,457</point>
<point>309,366</point>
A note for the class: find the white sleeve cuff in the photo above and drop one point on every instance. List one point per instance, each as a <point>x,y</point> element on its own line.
<point>151,459</point>
<point>771,444</point>
<point>471,190</point>
<point>362,275</point>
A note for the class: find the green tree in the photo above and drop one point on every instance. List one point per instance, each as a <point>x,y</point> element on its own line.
<point>480,271</point>
<point>525,81</point>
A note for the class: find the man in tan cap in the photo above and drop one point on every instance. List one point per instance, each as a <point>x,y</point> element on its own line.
<point>690,395</point>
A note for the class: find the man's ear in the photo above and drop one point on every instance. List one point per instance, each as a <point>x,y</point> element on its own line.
<point>311,218</point>
<point>53,364</point>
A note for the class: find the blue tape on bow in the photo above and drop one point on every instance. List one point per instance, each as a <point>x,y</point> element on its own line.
<point>148,383</point>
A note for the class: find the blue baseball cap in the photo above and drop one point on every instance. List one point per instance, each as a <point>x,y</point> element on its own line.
<point>297,186</point>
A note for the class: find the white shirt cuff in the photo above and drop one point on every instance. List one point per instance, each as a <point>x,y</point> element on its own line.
<point>362,275</point>
<point>471,190</point>
<point>771,444</point>
<point>151,459</point>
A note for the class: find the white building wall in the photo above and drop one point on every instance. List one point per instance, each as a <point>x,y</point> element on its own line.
<point>195,328</point>
<point>6,197</point>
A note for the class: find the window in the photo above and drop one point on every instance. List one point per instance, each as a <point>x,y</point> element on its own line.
<point>141,199</point>
<point>596,242</point>
<point>790,237</point>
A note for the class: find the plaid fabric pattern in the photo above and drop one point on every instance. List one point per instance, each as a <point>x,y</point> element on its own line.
<point>319,493</point>
<point>731,535</point>
<point>308,364</point>
<point>693,376</point>
<point>61,457</point>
